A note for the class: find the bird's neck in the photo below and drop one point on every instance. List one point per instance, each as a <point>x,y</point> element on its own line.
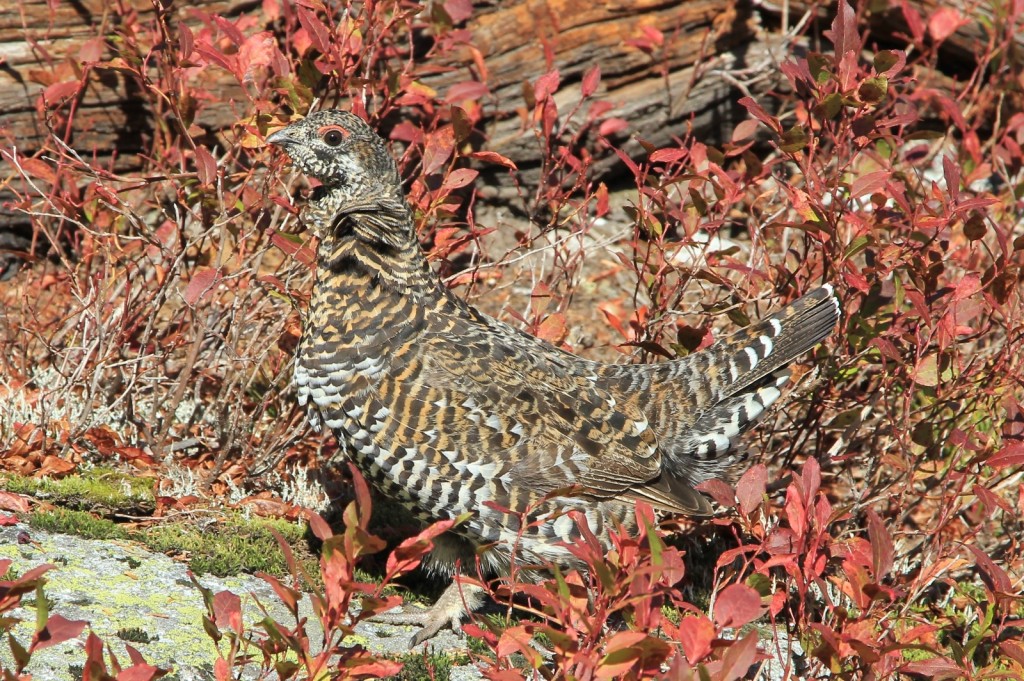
<point>370,269</point>
<point>369,244</point>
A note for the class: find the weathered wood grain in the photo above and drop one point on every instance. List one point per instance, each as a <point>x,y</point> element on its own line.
<point>713,52</point>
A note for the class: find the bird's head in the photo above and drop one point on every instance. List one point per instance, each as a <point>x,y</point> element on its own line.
<point>341,151</point>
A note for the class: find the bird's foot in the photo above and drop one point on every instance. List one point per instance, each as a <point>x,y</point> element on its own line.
<point>450,608</point>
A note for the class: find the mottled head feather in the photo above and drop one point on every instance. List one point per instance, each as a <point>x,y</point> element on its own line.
<point>361,191</point>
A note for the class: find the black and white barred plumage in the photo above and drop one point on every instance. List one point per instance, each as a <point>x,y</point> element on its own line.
<point>446,409</point>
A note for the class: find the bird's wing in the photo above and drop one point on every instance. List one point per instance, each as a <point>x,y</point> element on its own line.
<point>493,396</point>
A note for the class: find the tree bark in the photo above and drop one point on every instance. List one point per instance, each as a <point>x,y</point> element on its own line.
<point>708,55</point>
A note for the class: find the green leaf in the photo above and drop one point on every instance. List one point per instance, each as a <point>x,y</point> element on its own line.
<point>760,583</point>
<point>885,60</point>
<point>856,246</point>
<point>794,140</point>
<point>873,90</point>
<point>819,64</point>
<point>831,105</point>
<point>42,607</point>
<point>883,148</point>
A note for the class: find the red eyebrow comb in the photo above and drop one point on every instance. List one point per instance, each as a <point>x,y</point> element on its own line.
<point>327,128</point>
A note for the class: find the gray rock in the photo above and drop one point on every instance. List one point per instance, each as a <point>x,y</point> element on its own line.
<point>116,585</point>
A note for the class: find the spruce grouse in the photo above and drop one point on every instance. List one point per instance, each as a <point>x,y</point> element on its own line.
<point>449,411</point>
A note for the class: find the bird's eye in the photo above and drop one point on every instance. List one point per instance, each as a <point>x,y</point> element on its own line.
<point>332,138</point>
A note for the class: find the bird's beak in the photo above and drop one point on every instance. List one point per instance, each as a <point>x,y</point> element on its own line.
<point>281,138</point>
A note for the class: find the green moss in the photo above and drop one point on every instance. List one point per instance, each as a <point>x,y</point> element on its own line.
<point>101,489</point>
<point>133,635</point>
<point>78,523</point>
<point>430,664</point>
<point>228,547</point>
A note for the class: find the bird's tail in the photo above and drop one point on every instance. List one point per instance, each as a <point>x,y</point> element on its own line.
<point>737,379</point>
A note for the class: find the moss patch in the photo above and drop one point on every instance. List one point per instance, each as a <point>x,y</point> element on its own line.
<point>430,665</point>
<point>78,523</point>
<point>88,504</point>
<point>101,490</point>
<point>229,546</point>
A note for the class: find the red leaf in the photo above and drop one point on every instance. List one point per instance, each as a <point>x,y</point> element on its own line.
<point>140,672</point>
<point>362,491</point>
<point>438,149</point>
<point>1010,455</point>
<point>881,546</point>
<point>10,501</point>
<point>624,639</point>
<point>201,284</point>
<point>494,157</point>
<point>926,371</point>
<point>227,611</point>
<point>760,114</point>
<point>186,41</point>
<point>229,29</point>
<point>57,630</point>
<point>1013,651</point>
<point>738,658</point>
<point>459,177</point>
<point>869,183</point>
<point>553,329</point>
<point>319,35</point>
<point>913,19</point>
<point>951,174</point>
<point>54,465</point>
<point>751,488</point>
<point>668,155</point>
<point>844,31</point>
<point>408,555</point>
<point>95,667</point>
<point>602,207</point>
<point>289,596</point>
<point>967,287</point>
<point>458,10</point>
<point>695,635</point>
<point>991,501</point>
<point>991,574</point>
<point>810,476</point>
<point>515,640</point>
<point>944,23</point>
<point>591,79</point>
<point>222,670</point>
<point>294,246</point>
<point>206,166</point>
<point>718,490</point>
<point>258,51</point>
<point>320,528</point>
<point>611,126</point>
<point>795,511</point>
<point>213,56</point>
<point>7,520</point>
<point>736,605</point>
<point>744,130</point>
<point>468,90</point>
<point>57,92</point>
<point>92,50</point>
<point>38,168</point>
<point>546,85</point>
<point>935,668</point>
<point>134,655</point>
<point>374,669</point>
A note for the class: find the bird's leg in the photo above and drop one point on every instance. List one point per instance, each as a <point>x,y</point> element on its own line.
<point>457,601</point>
